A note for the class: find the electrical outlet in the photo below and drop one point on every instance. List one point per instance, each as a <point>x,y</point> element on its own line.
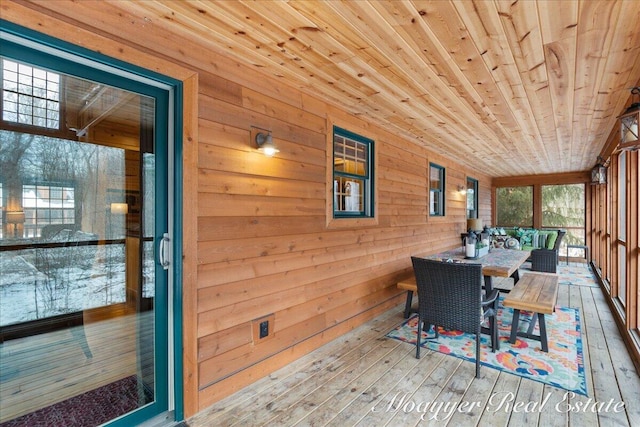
<point>264,328</point>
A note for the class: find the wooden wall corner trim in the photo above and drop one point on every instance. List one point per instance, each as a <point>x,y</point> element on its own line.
<point>190,245</point>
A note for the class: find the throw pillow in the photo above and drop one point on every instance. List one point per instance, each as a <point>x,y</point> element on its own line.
<point>526,237</point>
<point>540,240</point>
<point>551,239</point>
<point>512,243</point>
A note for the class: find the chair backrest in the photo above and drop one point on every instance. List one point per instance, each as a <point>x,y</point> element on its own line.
<point>561,233</point>
<point>449,294</point>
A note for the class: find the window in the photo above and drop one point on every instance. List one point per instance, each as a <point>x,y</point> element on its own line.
<point>472,198</point>
<point>30,96</point>
<point>563,206</point>
<point>622,228</point>
<point>352,175</point>
<point>45,205</point>
<point>514,206</point>
<point>436,190</point>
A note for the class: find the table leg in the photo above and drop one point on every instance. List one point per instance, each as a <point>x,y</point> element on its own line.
<point>516,276</point>
<point>514,325</point>
<point>493,331</point>
<point>488,285</point>
<point>543,333</point>
<point>488,288</point>
<point>532,324</point>
<point>407,305</point>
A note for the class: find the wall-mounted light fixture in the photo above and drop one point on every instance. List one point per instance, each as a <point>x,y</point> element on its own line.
<point>629,138</point>
<point>119,208</point>
<point>264,141</point>
<point>599,172</point>
<point>462,189</point>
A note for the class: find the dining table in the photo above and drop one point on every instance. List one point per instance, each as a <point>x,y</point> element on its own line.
<point>497,263</point>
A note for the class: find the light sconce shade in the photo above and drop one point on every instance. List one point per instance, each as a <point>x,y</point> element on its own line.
<point>599,173</point>
<point>265,144</point>
<point>461,189</point>
<point>15,217</point>
<point>474,224</point>
<point>629,138</point>
<point>119,208</point>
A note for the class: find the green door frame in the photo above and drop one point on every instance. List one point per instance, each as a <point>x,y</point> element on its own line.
<point>26,45</point>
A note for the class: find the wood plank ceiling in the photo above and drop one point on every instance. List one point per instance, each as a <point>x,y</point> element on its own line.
<point>510,87</point>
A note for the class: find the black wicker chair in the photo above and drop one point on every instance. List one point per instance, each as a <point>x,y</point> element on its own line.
<point>450,296</point>
<point>546,260</point>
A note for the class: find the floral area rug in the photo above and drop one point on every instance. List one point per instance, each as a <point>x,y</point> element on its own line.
<point>579,274</point>
<point>574,274</point>
<point>562,366</point>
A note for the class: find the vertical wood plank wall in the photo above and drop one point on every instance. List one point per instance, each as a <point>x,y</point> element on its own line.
<point>263,247</point>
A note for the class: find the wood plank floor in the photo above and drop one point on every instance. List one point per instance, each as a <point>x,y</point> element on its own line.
<point>41,370</point>
<point>340,383</point>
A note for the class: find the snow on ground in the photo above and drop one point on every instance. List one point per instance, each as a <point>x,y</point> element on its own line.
<point>61,280</point>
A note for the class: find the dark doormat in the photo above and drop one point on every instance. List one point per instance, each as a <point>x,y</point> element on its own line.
<point>92,408</point>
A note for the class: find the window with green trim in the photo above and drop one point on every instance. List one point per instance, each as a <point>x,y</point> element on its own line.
<point>352,175</point>
<point>436,190</point>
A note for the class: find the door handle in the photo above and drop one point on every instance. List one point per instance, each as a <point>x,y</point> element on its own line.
<point>165,251</point>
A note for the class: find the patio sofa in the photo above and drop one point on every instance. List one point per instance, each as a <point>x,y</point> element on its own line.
<point>543,244</point>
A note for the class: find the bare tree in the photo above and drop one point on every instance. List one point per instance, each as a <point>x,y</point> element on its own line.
<point>13,147</point>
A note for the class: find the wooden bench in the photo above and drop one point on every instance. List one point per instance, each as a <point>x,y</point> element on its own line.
<point>409,285</point>
<point>538,293</point>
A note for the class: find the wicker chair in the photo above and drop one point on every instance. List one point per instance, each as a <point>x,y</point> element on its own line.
<point>450,296</point>
<point>546,260</point>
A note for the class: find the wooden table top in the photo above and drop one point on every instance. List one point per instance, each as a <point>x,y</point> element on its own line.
<point>498,262</point>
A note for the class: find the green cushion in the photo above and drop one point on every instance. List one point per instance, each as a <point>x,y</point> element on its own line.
<point>552,236</point>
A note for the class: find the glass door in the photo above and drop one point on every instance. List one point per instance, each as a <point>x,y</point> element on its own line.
<point>83,191</point>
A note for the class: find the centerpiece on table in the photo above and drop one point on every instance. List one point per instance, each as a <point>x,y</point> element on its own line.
<point>474,247</point>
